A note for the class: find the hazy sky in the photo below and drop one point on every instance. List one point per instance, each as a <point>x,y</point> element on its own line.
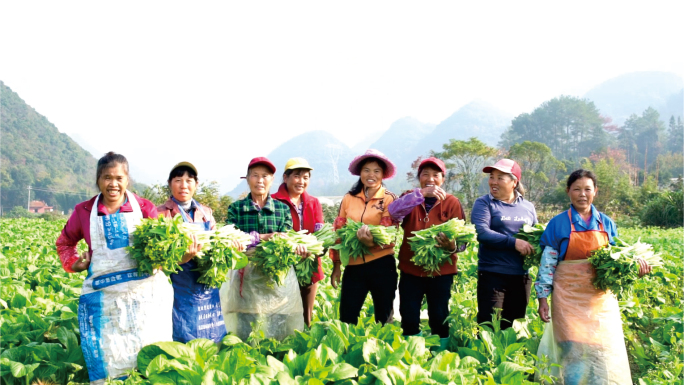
<point>217,83</point>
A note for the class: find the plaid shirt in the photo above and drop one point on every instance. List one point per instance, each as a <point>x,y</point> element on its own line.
<point>274,217</point>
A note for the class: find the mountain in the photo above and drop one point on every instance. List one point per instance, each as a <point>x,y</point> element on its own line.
<point>634,92</point>
<point>33,152</point>
<point>326,154</point>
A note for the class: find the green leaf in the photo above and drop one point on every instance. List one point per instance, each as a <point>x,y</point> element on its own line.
<point>342,371</point>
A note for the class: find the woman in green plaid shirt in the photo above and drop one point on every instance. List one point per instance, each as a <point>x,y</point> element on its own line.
<point>246,299</point>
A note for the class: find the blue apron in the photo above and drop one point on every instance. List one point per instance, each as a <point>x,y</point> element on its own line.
<point>196,307</point>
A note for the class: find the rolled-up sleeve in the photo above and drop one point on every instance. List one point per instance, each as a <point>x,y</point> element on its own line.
<point>67,242</point>
<point>481,217</point>
<point>547,268</point>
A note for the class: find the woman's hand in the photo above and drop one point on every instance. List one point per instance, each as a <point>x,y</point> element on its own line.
<point>336,274</point>
<point>644,268</point>
<point>444,242</point>
<point>193,249</point>
<point>523,247</point>
<point>238,245</point>
<point>434,192</point>
<point>365,236</point>
<point>301,251</point>
<point>544,310</point>
<point>83,262</point>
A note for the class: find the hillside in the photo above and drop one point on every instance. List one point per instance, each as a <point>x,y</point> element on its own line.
<point>33,152</point>
<point>634,92</point>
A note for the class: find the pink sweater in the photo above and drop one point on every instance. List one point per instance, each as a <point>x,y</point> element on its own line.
<point>78,227</point>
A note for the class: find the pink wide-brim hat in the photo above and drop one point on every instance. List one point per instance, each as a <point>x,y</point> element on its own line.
<point>355,169</point>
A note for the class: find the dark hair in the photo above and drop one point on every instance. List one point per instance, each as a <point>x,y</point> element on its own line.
<point>109,160</point>
<point>289,172</point>
<point>518,187</point>
<point>358,186</point>
<point>431,167</point>
<point>579,174</point>
<point>180,171</point>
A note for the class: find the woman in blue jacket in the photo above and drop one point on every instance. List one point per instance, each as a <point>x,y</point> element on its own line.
<point>502,282</point>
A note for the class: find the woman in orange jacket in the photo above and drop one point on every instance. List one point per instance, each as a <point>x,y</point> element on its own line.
<point>367,202</point>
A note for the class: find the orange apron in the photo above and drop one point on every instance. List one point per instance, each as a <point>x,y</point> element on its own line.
<point>586,321</point>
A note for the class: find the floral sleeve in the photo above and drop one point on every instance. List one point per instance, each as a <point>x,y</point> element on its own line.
<point>544,284</point>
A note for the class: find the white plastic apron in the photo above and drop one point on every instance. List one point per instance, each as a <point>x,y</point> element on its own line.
<point>196,306</point>
<point>120,311</point>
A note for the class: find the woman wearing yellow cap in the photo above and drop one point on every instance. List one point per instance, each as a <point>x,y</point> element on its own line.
<point>196,307</point>
<point>307,214</point>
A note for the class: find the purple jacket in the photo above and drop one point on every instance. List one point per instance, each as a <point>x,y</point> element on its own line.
<point>78,227</point>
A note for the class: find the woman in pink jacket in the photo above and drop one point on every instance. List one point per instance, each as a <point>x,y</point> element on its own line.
<point>120,310</point>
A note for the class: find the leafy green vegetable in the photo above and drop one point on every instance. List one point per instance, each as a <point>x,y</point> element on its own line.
<point>275,256</point>
<point>219,256</point>
<point>350,245</point>
<point>327,235</point>
<point>532,234</point>
<point>423,243</point>
<point>160,243</point>
<point>617,267</point>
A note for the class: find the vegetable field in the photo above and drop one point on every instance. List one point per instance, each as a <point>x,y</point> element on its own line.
<point>40,337</point>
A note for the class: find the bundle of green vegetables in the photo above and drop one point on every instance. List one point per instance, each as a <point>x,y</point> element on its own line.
<point>617,267</point>
<point>423,243</point>
<point>275,255</point>
<point>219,255</point>
<point>532,234</point>
<point>326,235</point>
<point>351,247</point>
<point>160,243</point>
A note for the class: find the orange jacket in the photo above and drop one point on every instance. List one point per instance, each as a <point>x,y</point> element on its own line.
<point>372,212</point>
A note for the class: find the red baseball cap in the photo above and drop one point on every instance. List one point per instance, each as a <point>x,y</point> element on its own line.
<point>262,160</point>
<point>432,161</point>
<point>505,165</point>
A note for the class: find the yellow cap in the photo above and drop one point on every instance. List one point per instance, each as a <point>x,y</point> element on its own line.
<point>186,164</point>
<point>295,163</point>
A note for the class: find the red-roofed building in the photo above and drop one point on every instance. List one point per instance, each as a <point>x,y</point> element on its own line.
<point>40,207</point>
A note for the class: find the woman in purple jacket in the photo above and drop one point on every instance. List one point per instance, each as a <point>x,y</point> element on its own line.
<point>502,282</point>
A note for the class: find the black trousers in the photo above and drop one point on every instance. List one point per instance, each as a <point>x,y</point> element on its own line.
<point>379,277</point>
<point>504,291</point>
<point>437,289</point>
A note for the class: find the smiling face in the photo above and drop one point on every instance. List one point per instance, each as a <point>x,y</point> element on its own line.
<point>371,175</point>
<point>297,181</point>
<point>582,193</point>
<point>259,179</point>
<point>183,187</point>
<point>501,185</point>
<point>429,177</point>
<point>113,183</point>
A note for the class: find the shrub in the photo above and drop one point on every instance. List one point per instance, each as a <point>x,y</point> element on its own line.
<point>664,210</point>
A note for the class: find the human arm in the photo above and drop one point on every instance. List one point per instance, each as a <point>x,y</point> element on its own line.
<point>401,207</point>
<point>67,243</point>
<point>544,283</point>
<point>481,217</point>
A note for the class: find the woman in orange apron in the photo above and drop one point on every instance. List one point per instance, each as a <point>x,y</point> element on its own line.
<point>586,336</point>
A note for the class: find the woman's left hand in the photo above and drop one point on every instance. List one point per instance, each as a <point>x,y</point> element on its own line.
<point>365,236</point>
<point>238,245</point>
<point>301,251</point>
<point>644,268</point>
<point>444,242</point>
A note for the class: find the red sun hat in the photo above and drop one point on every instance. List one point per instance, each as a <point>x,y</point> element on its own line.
<point>432,161</point>
<point>355,168</point>
<point>262,160</point>
<point>505,165</point>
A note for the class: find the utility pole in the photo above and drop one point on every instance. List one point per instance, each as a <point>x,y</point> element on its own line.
<point>28,204</point>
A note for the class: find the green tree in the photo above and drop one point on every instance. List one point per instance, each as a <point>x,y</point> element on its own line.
<point>540,169</point>
<point>209,195</point>
<point>571,127</point>
<point>675,135</point>
<point>464,161</point>
<point>642,137</point>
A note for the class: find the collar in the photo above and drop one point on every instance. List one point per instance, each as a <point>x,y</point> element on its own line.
<point>283,195</point>
<point>193,203</point>
<point>577,219</point>
<point>378,194</point>
<point>125,207</point>
<point>251,206</point>
<point>518,197</point>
